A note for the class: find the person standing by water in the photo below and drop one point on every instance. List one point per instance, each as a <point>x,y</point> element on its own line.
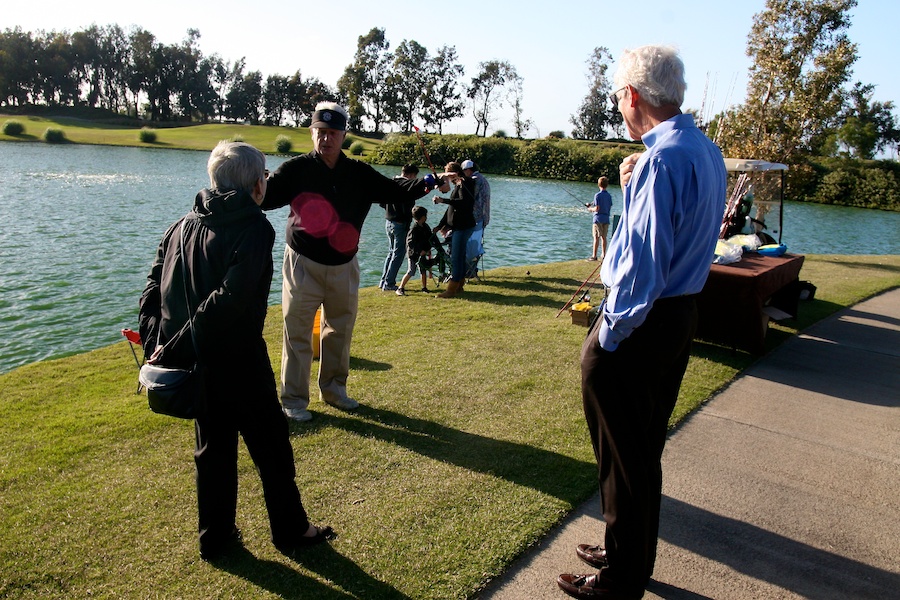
<point>398,217</point>
<point>601,207</point>
<point>637,350</point>
<point>461,220</point>
<point>227,245</point>
<point>329,196</point>
<point>482,213</point>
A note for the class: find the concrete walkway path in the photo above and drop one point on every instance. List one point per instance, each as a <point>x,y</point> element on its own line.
<point>784,485</point>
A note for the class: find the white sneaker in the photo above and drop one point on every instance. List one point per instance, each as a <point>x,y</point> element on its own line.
<point>342,403</point>
<point>298,414</point>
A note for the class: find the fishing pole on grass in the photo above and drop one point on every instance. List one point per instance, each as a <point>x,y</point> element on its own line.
<point>592,278</point>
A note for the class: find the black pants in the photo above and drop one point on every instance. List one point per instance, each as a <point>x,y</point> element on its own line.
<point>258,418</point>
<point>628,396</point>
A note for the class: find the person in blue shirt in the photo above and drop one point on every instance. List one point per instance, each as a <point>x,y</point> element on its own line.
<point>637,350</point>
<point>600,207</point>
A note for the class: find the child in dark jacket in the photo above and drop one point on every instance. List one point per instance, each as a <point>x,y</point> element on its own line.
<point>418,249</point>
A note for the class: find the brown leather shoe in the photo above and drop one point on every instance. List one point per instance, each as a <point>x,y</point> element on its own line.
<point>588,587</point>
<point>452,290</point>
<point>592,555</point>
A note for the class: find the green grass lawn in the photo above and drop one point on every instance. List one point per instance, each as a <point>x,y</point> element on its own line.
<point>470,445</point>
<point>190,137</point>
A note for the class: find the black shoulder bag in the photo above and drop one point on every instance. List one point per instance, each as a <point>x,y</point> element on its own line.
<point>177,392</point>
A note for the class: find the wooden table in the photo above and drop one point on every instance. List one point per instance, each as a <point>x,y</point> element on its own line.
<point>732,301</point>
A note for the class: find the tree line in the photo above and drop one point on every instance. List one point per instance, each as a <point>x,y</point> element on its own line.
<point>800,100</point>
<point>132,73</point>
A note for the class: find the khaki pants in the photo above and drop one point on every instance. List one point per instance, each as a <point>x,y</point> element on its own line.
<point>306,286</point>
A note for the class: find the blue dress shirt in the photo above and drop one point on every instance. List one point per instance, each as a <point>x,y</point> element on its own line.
<point>666,238</point>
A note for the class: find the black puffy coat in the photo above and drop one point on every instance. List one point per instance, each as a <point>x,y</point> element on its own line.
<point>228,244</point>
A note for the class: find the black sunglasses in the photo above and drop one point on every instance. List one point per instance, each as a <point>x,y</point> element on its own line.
<point>614,98</point>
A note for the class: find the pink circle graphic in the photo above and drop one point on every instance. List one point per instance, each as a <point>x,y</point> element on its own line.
<point>316,215</point>
<point>344,238</point>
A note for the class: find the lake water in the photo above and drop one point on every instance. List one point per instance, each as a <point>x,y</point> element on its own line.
<point>79,226</point>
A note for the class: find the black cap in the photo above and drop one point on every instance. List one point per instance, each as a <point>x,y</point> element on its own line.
<point>330,119</point>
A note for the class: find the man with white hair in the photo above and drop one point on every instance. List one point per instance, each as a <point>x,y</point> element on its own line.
<point>330,196</point>
<point>636,353</point>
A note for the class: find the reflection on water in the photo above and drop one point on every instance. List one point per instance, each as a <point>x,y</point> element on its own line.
<point>80,225</point>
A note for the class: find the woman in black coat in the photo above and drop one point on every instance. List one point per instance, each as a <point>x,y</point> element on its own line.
<point>460,218</point>
<point>228,261</point>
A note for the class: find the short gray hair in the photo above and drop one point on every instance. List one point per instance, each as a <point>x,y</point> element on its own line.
<point>656,72</point>
<point>235,166</point>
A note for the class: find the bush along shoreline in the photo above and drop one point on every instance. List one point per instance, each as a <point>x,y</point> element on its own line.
<point>845,182</point>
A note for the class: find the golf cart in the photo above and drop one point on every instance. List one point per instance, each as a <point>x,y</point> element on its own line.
<point>756,199</point>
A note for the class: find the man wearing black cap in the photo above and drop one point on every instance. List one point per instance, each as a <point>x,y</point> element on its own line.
<point>330,196</point>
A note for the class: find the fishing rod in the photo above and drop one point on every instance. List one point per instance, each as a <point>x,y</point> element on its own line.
<point>424,151</point>
<point>595,276</point>
<point>574,196</point>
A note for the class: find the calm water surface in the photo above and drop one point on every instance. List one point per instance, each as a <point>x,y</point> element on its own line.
<point>79,226</point>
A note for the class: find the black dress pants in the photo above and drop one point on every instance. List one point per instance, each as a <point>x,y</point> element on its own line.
<point>258,418</point>
<point>628,397</point>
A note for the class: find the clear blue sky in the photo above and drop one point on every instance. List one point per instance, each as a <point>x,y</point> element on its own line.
<point>548,43</point>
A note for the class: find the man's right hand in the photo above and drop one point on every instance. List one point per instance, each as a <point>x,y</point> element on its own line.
<point>627,166</point>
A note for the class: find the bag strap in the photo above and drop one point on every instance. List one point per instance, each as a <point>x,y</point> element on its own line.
<point>187,296</point>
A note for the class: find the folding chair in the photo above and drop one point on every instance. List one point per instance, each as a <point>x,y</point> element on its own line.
<point>475,254</point>
<point>440,260</point>
<point>133,338</point>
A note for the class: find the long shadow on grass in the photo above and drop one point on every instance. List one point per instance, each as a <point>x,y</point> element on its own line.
<point>534,292</point>
<point>363,364</point>
<point>323,560</point>
<point>548,472</point>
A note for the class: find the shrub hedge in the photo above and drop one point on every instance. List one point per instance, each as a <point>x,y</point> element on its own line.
<point>147,135</point>
<point>865,184</point>
<point>13,127</point>
<point>283,144</point>
<point>545,158</point>
<point>54,136</point>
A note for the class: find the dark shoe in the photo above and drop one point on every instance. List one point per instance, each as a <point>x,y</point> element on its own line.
<point>426,290</point>
<point>592,555</point>
<point>589,587</point>
<point>323,534</point>
<point>215,551</point>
